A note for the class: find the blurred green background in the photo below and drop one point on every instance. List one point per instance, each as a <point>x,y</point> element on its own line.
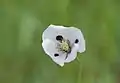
<point>22,59</point>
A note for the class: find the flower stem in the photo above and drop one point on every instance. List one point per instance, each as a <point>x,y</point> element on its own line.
<point>79,78</point>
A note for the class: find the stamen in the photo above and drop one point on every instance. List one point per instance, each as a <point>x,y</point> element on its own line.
<point>64,47</point>
<point>66,56</point>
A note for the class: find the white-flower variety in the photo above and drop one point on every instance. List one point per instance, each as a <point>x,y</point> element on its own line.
<point>62,43</point>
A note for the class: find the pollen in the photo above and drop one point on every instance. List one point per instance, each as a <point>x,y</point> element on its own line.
<point>65,46</point>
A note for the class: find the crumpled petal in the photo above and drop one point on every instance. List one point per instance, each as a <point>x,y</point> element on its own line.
<point>50,49</point>
<point>70,33</point>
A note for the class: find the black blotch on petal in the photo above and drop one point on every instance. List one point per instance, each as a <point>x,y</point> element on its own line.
<point>59,38</point>
<point>76,41</point>
<point>56,55</point>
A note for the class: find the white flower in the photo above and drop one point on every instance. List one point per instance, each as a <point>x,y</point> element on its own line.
<point>62,43</point>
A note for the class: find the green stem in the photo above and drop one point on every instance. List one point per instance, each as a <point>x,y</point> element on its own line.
<point>79,78</point>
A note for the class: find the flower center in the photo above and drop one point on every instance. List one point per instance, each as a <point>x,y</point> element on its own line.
<point>64,46</point>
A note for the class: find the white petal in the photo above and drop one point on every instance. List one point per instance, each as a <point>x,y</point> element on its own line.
<point>52,31</point>
<point>50,49</point>
<point>75,33</point>
<point>73,53</point>
<point>70,33</point>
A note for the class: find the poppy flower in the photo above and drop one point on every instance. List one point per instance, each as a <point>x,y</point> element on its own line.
<point>62,43</point>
